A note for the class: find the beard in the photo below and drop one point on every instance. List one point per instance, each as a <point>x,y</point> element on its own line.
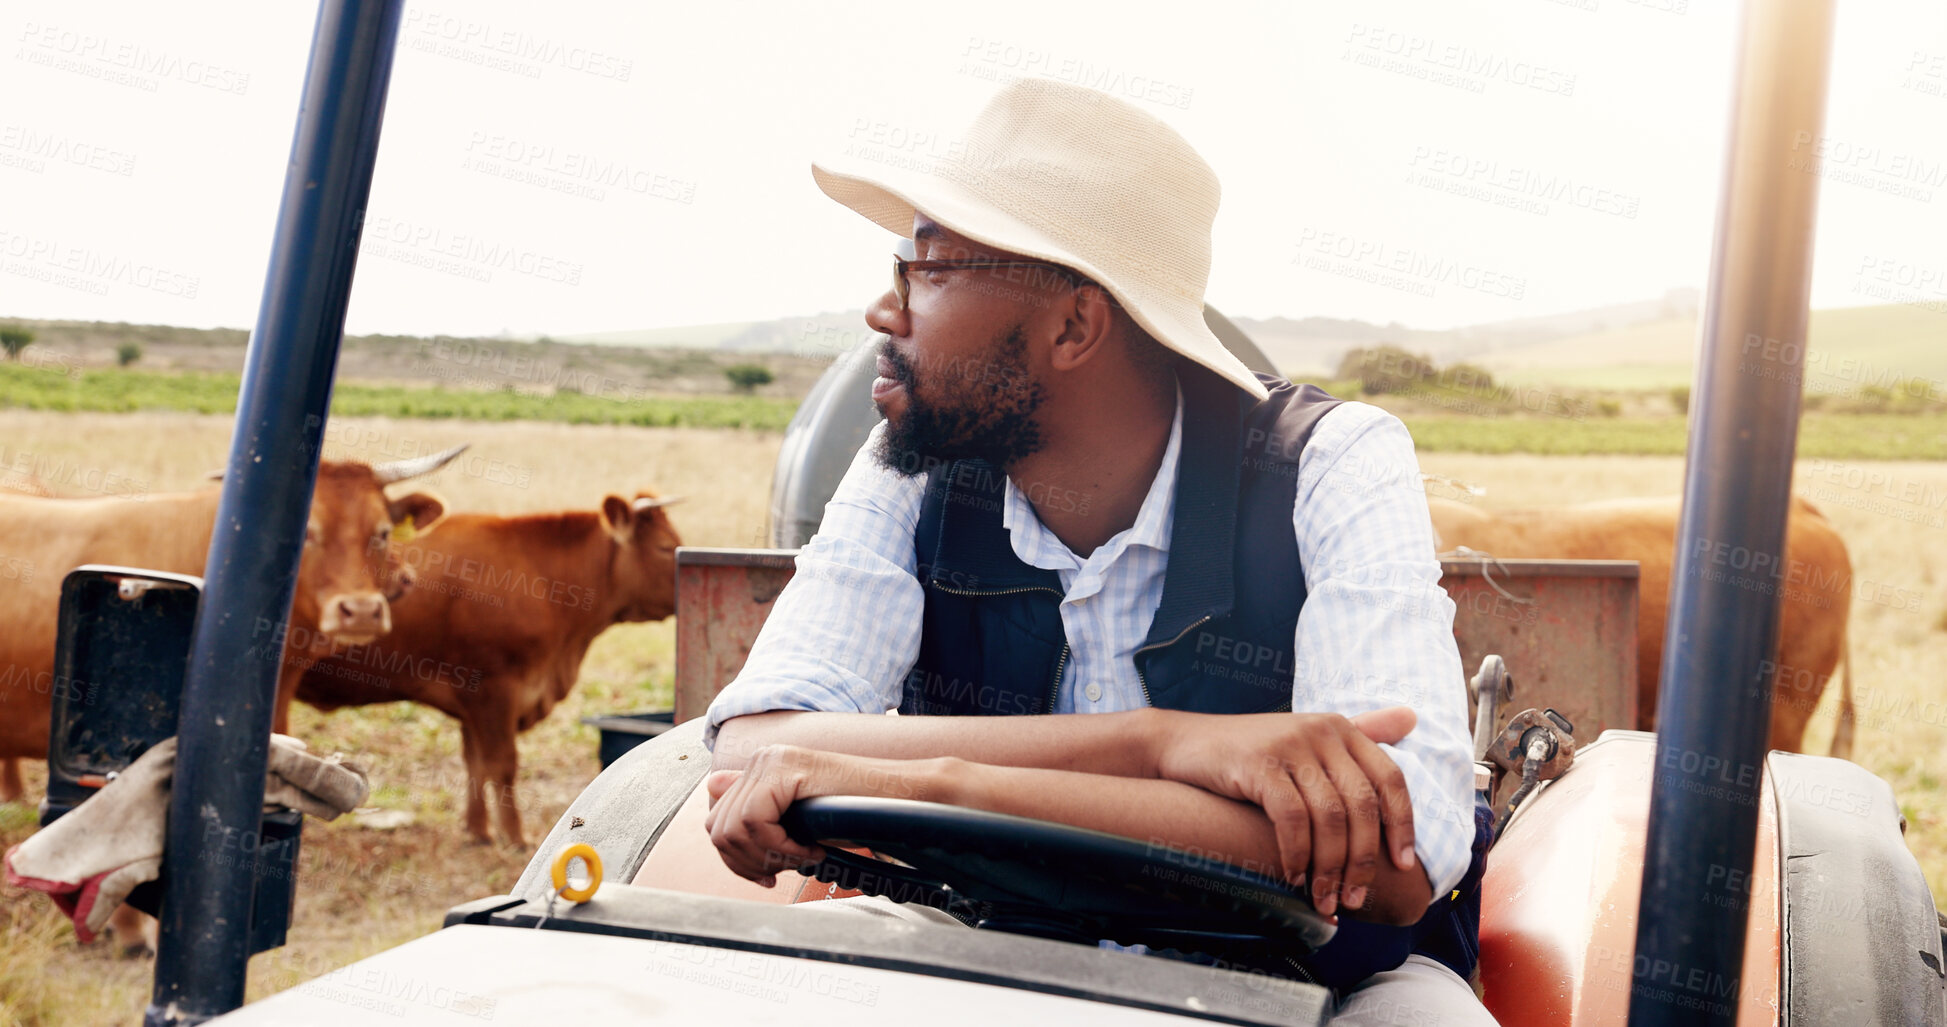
<point>990,415</point>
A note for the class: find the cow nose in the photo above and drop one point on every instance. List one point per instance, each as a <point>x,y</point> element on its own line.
<point>357,614</point>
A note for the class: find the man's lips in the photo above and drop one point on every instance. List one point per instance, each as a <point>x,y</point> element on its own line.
<point>887,382</point>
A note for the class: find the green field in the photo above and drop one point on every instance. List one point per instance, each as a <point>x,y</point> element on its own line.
<point>1849,348</point>
<point>1821,436</point>
<point>1828,435</point>
<point>124,391</point>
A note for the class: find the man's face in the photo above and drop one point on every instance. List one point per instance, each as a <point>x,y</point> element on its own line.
<point>956,377</point>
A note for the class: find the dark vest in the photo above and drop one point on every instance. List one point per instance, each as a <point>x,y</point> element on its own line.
<point>992,642</point>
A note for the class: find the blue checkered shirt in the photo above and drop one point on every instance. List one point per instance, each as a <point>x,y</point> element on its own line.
<point>1376,629</point>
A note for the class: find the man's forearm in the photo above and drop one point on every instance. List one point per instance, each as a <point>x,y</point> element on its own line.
<point>1162,812</point>
<point>1118,744</point>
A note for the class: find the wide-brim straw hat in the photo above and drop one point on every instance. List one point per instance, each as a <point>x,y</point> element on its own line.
<point>1067,174</point>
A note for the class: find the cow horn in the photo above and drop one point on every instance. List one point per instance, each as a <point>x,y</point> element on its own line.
<point>399,470</point>
<point>1467,487</point>
<point>652,502</point>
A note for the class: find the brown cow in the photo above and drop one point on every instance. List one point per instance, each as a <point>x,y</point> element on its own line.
<point>495,628</point>
<point>341,595</point>
<point>1812,617</point>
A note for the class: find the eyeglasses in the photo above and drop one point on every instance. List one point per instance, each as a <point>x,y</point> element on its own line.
<point>901,267</point>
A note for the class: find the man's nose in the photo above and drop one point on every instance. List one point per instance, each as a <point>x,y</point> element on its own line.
<point>884,315</point>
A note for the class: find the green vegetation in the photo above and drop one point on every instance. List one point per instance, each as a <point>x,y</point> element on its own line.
<point>745,378</point>
<point>1826,436</point>
<point>128,353</point>
<point>216,393</point>
<point>13,340</point>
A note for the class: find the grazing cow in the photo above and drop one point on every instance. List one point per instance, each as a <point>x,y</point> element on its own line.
<point>344,579</point>
<point>495,628</point>
<point>1816,589</point>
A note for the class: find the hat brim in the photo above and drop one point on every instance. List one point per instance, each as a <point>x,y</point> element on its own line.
<point>890,196</point>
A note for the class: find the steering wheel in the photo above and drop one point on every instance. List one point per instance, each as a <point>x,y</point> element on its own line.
<point>1027,876</point>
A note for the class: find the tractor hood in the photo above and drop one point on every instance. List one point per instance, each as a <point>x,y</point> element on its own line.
<point>644,956</point>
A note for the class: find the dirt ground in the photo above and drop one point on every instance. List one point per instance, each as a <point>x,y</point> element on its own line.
<point>362,889</point>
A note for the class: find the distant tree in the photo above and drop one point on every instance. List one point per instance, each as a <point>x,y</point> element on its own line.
<point>747,377</point>
<point>1385,368</point>
<point>14,340</point>
<point>1470,377</point>
<point>1680,398</point>
<point>128,353</point>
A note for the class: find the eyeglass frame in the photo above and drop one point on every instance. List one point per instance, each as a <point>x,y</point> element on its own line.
<point>901,267</point>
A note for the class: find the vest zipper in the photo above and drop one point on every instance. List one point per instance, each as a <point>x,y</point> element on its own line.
<point>1283,707</point>
<point>1054,688</point>
<point>1143,681</point>
<point>1303,973</point>
<point>1061,662</point>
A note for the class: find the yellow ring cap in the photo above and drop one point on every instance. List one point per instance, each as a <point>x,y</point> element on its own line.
<point>587,854</point>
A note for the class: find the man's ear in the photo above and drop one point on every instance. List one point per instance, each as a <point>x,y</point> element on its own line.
<point>618,516</point>
<point>422,509</point>
<point>1090,321</point>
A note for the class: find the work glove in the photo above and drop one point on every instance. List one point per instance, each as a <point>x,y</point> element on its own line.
<point>90,859</point>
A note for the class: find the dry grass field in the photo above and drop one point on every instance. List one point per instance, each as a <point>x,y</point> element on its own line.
<point>363,889</point>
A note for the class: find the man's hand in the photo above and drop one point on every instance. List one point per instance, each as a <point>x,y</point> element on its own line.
<point>1334,797</point>
<point>745,805</point>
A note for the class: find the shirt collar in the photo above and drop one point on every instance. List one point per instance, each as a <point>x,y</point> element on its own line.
<point>1038,546</point>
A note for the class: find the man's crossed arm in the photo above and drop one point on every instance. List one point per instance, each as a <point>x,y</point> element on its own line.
<point>1312,795</point>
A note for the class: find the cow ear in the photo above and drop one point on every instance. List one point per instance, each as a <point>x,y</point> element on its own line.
<point>618,517</point>
<point>420,509</point>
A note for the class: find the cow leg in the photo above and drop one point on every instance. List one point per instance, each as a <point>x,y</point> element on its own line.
<point>1842,736</point>
<point>476,782</point>
<point>1794,695</point>
<point>134,931</point>
<point>289,673</point>
<point>11,790</point>
<point>503,765</point>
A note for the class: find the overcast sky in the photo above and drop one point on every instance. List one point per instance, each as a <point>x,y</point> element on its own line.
<point>601,166</point>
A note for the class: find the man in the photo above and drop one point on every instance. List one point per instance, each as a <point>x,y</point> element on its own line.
<point>1080,502</point>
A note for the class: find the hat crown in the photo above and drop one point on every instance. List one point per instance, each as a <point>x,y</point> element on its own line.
<point>1064,173</point>
<point>1128,194</point>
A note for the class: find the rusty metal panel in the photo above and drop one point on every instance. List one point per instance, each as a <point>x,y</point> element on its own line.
<point>1567,629</point>
<point>722,599</point>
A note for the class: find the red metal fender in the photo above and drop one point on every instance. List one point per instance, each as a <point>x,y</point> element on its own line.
<point>1558,910</point>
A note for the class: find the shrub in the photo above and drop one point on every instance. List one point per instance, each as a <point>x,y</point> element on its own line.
<point>14,339</point>
<point>1384,369</point>
<point>747,377</point>
<point>1680,398</point>
<point>128,353</point>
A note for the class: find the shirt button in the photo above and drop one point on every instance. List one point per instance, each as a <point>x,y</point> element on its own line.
<point>1094,693</point>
